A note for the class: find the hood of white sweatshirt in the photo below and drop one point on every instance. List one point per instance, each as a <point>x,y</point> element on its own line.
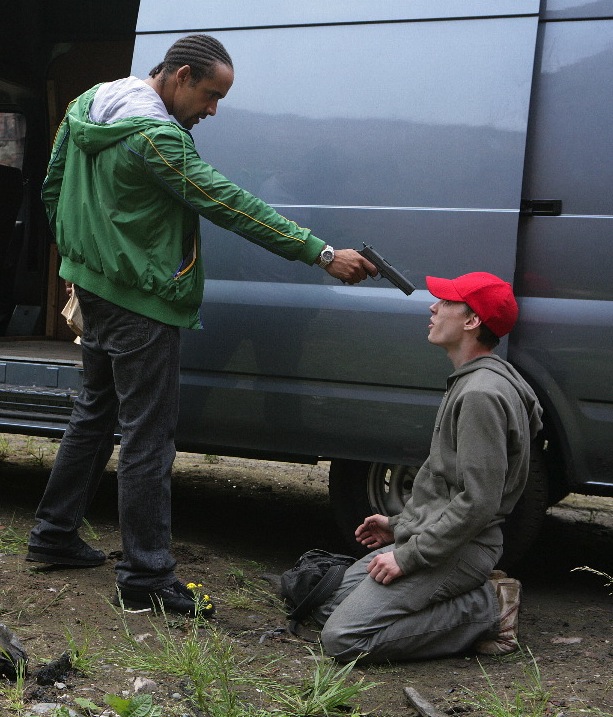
<point>125,98</point>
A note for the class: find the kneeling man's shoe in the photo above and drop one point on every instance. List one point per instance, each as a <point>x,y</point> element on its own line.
<point>508,592</point>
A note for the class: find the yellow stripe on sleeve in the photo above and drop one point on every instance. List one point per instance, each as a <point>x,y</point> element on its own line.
<point>212,199</point>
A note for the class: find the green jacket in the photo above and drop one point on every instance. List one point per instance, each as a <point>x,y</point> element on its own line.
<point>123,201</point>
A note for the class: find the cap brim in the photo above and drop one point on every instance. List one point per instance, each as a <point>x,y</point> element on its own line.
<point>442,289</point>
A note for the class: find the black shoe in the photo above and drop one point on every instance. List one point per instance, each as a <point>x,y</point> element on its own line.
<point>174,598</point>
<point>77,555</point>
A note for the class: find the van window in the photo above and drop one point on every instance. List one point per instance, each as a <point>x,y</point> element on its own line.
<point>12,139</point>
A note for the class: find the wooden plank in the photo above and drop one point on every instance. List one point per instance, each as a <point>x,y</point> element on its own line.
<point>417,702</point>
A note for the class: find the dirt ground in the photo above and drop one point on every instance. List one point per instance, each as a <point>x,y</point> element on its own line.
<point>235,518</point>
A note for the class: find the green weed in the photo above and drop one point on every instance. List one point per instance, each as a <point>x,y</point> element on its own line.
<point>82,657</point>
<point>171,655</point>
<point>206,660</point>
<point>137,706</point>
<point>62,711</point>
<point>5,447</point>
<point>14,693</point>
<point>246,593</point>
<point>327,692</point>
<point>90,532</point>
<point>35,450</point>
<point>528,699</point>
<point>12,540</point>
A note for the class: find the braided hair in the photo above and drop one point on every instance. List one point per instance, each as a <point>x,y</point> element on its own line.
<point>200,52</point>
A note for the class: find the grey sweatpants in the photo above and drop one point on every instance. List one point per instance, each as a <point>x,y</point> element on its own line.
<point>431,613</point>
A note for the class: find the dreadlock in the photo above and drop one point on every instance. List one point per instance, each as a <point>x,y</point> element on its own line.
<point>200,52</point>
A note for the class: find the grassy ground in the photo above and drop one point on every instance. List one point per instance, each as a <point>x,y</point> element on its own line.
<point>234,520</point>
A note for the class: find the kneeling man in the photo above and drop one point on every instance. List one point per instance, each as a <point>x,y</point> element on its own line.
<point>427,589</point>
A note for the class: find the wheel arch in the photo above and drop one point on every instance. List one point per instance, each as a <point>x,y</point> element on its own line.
<point>561,449</point>
<point>353,497</point>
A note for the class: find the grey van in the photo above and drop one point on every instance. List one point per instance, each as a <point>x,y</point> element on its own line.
<point>453,135</point>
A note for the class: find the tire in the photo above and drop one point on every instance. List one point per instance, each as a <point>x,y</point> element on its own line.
<point>359,489</point>
<point>523,525</point>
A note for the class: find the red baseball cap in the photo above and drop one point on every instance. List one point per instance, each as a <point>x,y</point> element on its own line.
<point>488,296</point>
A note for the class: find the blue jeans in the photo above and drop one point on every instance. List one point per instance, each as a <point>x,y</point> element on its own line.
<point>130,379</point>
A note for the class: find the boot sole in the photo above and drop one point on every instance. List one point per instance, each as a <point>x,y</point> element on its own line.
<point>34,556</point>
<point>152,605</point>
<point>141,604</point>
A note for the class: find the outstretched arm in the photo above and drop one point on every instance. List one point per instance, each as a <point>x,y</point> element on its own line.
<point>171,157</point>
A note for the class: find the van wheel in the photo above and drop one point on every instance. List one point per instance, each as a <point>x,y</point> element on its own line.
<point>522,527</point>
<point>359,489</point>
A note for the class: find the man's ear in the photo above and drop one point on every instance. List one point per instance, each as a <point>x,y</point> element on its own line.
<point>472,322</point>
<point>183,74</point>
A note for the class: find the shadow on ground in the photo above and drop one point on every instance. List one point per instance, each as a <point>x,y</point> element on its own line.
<point>258,507</point>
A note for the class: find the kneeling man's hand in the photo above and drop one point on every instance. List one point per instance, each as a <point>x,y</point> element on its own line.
<point>375,532</point>
<point>384,569</point>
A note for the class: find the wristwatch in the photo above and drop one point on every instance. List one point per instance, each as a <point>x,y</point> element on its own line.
<point>327,256</point>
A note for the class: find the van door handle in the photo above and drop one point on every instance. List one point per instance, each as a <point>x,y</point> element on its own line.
<point>540,207</point>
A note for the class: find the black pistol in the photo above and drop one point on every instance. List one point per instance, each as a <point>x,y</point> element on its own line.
<point>387,270</point>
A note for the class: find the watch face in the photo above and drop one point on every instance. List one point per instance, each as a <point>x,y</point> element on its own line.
<point>327,255</point>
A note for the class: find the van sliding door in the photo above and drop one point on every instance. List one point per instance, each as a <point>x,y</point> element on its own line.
<point>565,262</point>
<point>399,124</point>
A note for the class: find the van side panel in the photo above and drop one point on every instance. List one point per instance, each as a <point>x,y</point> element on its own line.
<point>366,126</point>
<point>565,262</point>
<point>575,9</point>
<point>209,15</point>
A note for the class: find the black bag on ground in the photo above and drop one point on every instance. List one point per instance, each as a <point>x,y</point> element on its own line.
<point>312,580</point>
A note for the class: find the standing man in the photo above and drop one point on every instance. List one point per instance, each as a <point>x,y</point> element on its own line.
<point>424,590</point>
<point>124,191</point>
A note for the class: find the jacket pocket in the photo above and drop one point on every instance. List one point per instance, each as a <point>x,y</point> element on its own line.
<point>471,570</point>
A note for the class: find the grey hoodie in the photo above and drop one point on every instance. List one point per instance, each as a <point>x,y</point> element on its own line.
<point>477,468</point>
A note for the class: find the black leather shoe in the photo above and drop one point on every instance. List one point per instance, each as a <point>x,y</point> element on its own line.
<point>174,598</point>
<point>77,555</point>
